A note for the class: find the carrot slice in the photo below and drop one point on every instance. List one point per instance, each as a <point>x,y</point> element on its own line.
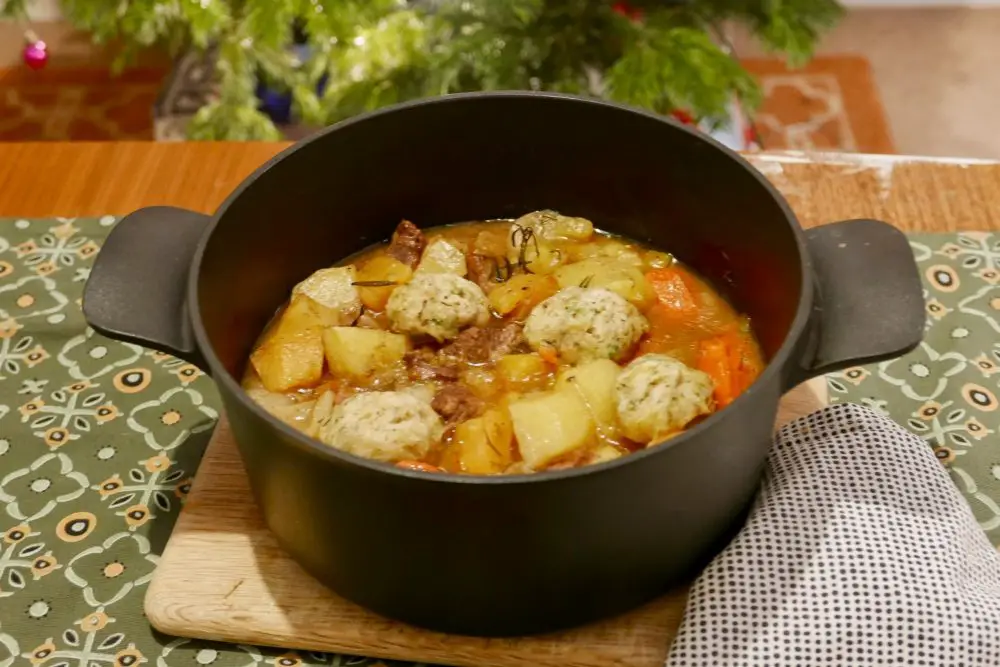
<point>672,291</point>
<point>731,362</point>
<point>661,336</point>
<point>549,355</point>
<point>418,465</point>
<point>713,358</point>
<point>676,306</point>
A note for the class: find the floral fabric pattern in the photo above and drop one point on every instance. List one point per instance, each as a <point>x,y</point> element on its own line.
<point>99,442</point>
<point>946,390</point>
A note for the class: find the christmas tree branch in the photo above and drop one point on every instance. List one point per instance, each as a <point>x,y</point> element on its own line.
<point>363,54</point>
<point>16,9</point>
<point>234,115</point>
<point>670,65</point>
<point>789,27</point>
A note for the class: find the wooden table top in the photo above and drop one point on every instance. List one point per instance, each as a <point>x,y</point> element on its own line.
<point>84,179</point>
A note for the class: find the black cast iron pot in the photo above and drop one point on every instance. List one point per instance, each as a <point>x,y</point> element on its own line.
<point>521,554</point>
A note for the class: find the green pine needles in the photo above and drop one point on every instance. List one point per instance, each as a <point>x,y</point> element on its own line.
<point>663,55</point>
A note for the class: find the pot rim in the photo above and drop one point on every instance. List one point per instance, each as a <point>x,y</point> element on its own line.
<point>774,367</point>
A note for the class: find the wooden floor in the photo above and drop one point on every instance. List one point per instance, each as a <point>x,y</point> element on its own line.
<point>935,70</point>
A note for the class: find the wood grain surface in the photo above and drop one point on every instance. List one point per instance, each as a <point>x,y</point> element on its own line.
<point>82,179</point>
<point>223,577</point>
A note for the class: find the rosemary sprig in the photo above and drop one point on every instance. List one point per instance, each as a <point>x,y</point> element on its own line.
<point>361,313</point>
<point>522,238</point>
<point>374,283</point>
<point>503,269</point>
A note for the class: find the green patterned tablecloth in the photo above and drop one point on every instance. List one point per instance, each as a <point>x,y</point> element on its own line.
<point>99,440</point>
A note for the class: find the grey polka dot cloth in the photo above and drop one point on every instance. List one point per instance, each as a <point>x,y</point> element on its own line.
<point>859,551</point>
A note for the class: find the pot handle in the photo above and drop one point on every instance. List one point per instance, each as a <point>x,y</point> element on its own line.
<point>137,289</point>
<point>869,303</point>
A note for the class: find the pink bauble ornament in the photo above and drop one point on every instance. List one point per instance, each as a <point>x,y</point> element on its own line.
<point>36,54</point>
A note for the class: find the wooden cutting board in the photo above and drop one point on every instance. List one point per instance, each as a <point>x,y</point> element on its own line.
<point>223,577</point>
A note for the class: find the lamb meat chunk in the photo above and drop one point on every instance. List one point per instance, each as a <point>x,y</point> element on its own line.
<point>479,345</point>
<point>482,271</point>
<point>407,244</point>
<point>471,346</point>
<point>457,403</point>
<point>508,339</point>
<point>424,365</point>
<point>486,260</point>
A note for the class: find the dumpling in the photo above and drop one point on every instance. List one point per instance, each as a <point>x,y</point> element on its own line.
<point>657,395</point>
<point>437,304</point>
<point>383,425</point>
<point>583,324</point>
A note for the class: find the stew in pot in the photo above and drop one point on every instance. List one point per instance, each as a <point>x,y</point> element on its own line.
<point>502,347</point>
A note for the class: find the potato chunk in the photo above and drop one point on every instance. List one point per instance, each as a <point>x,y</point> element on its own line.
<point>523,372</point>
<point>655,259</point>
<point>538,240</point>
<point>286,407</point>
<point>442,257</point>
<point>484,444</point>
<point>291,354</point>
<point>610,251</point>
<point>334,290</point>
<point>517,296</point>
<point>542,259</point>
<point>553,226</point>
<point>625,280</point>
<point>605,453</point>
<point>550,425</point>
<point>357,353</point>
<point>381,269</point>
<point>595,383</point>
